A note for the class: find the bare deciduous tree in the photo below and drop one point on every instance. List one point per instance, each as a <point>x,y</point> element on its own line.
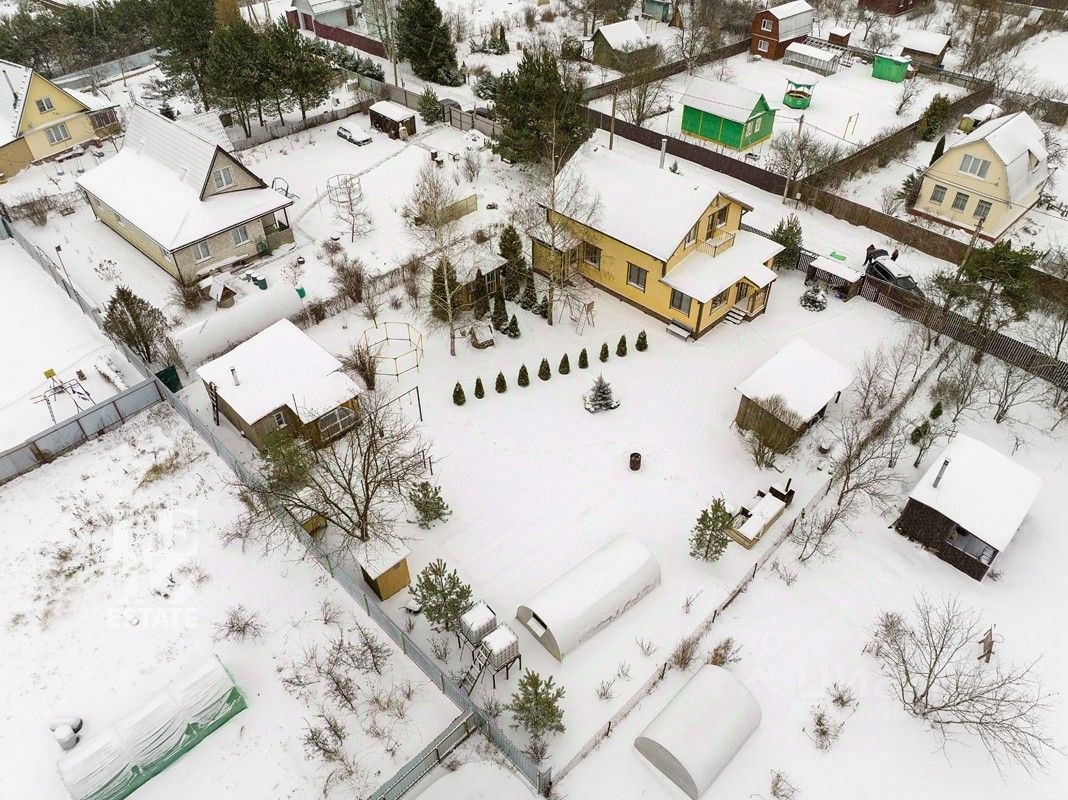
<point>960,388</point>
<point>798,155</point>
<point>1008,388</point>
<point>772,430</point>
<point>910,90</point>
<point>816,532</point>
<point>350,208</point>
<point>860,465</point>
<point>930,659</point>
<point>644,94</point>
<point>700,34</point>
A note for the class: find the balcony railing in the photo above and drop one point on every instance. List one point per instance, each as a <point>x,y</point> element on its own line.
<point>717,244</point>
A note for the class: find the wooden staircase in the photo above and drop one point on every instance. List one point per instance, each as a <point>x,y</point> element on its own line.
<point>735,316</point>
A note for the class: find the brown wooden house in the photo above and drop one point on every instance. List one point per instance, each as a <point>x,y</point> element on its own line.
<point>968,505</point>
<point>924,47</point>
<point>774,29</point>
<point>393,119</point>
<point>281,380</point>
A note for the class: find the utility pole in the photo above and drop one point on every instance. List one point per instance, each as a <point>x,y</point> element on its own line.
<point>612,123</point>
<point>794,158</point>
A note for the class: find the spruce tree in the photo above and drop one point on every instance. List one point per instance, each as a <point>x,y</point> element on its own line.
<point>512,331</point>
<point>423,40</point>
<point>788,233</point>
<point>430,107</point>
<point>565,366</point>
<point>543,370</point>
<point>530,293</point>
<point>641,344</point>
<point>708,539</point>
<point>502,46</point>
<point>511,249</point>
<point>584,359</point>
<point>428,503</point>
<point>535,706</point>
<point>480,392</point>
<point>936,410</point>
<point>940,148</point>
<point>479,297</point>
<point>524,378</point>
<point>502,385</point>
<point>621,348</point>
<point>543,307</point>
<point>136,323</point>
<point>500,311</point>
<point>443,596</point>
<point>458,395</point>
<point>604,352</point>
<point>600,397</point>
<point>439,303</point>
<point>182,30</point>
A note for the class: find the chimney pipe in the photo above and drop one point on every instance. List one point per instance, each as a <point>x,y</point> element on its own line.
<point>233,372</point>
<point>941,472</point>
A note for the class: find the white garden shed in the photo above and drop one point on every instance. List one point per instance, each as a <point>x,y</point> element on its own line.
<point>697,734</point>
<point>586,598</point>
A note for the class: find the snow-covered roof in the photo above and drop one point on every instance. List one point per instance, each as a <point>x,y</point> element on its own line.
<point>702,276</point>
<point>816,53</point>
<point>208,127</point>
<point>693,739</point>
<point>391,110</point>
<point>280,366</point>
<point>648,208</point>
<point>985,112</point>
<point>379,556</point>
<point>590,595</point>
<point>169,164</point>
<point>922,41</point>
<point>840,31</point>
<point>91,101</point>
<point>981,490</point>
<point>478,616</point>
<point>625,35</point>
<point>795,20</point>
<point>834,267</point>
<point>804,377</point>
<point>1013,139</point>
<point>11,105</point>
<point>760,516</point>
<point>500,640</point>
<point>791,9</point>
<point>723,99</point>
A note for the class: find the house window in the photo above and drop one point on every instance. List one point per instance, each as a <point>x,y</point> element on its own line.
<point>680,302</point>
<point>691,236</point>
<point>57,133</point>
<point>721,216</point>
<point>591,254</point>
<point>240,234</point>
<point>45,105</point>
<point>960,201</point>
<point>974,166</point>
<point>720,298</point>
<point>222,177</point>
<point>762,46</point>
<point>982,208</point>
<point>743,291</point>
<point>938,194</point>
<point>636,276</point>
<point>765,24</point>
<point>279,419</point>
<point>1032,160</point>
<point>336,422</point>
<point>202,252</point>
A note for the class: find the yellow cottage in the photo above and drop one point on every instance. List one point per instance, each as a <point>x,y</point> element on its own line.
<point>657,240</point>
<point>39,120</point>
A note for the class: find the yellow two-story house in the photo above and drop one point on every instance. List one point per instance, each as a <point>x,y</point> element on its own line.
<point>658,240</point>
<point>987,179</point>
<point>39,120</point>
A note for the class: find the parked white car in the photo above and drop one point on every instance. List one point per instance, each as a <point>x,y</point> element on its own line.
<point>354,134</point>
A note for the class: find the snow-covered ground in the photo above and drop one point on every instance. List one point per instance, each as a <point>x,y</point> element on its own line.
<point>93,626</point>
<point>41,329</point>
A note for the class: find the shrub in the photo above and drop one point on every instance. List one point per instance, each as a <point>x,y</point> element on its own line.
<point>621,348</point>
<point>604,352</point>
<point>641,344</point>
<point>934,117</point>
<point>543,307</point>
<point>480,392</point>
<point>565,366</point>
<point>458,396</point>
<point>543,370</point>
<point>512,329</point>
<point>936,411</point>
<point>524,378</point>
<point>188,297</point>
<point>584,360</point>
<point>502,385</point>
<point>428,503</point>
<point>814,299</point>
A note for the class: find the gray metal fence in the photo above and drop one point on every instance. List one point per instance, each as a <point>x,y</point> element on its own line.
<point>430,756</point>
<point>109,69</point>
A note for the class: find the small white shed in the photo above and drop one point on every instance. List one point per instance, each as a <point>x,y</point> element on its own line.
<point>697,734</point>
<point>588,597</point>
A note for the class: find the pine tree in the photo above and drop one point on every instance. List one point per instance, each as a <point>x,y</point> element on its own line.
<point>512,331</point>
<point>167,110</point>
<point>500,311</point>
<point>524,377</point>
<point>136,323</point>
<point>600,397</point>
<point>501,385</point>
<point>480,392</point>
<point>565,366</point>
<point>479,296</point>
<point>621,348</point>
<point>708,539</point>
<point>543,307</point>
<point>788,233</point>
<point>430,107</point>
<point>302,73</point>
<point>443,596</point>
<point>502,47</point>
<point>182,29</point>
<point>530,293</point>
<point>641,344</point>
<point>423,40</point>
<point>584,359</point>
<point>934,117</point>
<point>428,503</point>
<point>232,70</point>
<point>458,395</point>
<point>604,353</point>
<point>543,370</point>
<point>535,706</point>
<point>511,249</point>
<point>940,148</point>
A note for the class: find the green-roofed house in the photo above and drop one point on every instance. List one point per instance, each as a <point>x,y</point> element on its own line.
<point>728,115</point>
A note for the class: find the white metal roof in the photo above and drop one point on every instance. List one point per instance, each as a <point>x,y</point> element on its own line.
<point>722,99</point>
<point>648,208</point>
<point>1013,139</point>
<point>817,53</point>
<point>14,85</point>
<point>702,276</point>
<point>280,366</point>
<point>208,127</point>
<point>981,490</point>
<point>625,35</point>
<point>795,20</point>
<point>393,111</point>
<point>922,41</point>
<point>836,268</point>
<point>791,9</point>
<point>804,377</point>
<point>699,731</point>
<point>586,598</point>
